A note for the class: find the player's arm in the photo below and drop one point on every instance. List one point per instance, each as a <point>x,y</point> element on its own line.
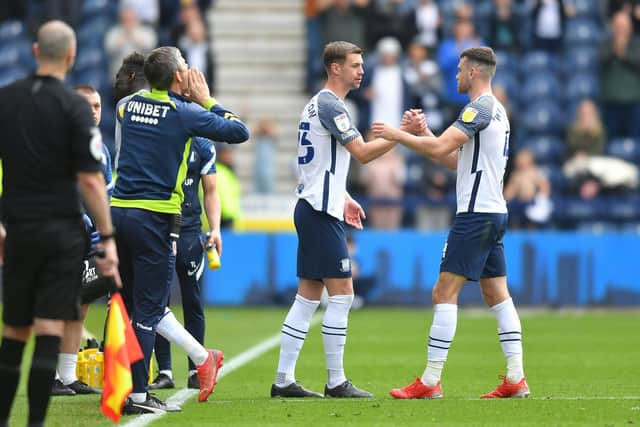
<point>211,204</point>
<point>434,147</point>
<point>415,123</point>
<point>208,123</point>
<point>367,151</point>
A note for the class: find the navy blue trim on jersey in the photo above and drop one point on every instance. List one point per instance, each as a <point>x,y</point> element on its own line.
<point>334,147</point>
<point>476,152</point>
<point>325,192</point>
<point>474,192</point>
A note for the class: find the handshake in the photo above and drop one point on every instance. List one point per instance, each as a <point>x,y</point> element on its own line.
<point>413,122</point>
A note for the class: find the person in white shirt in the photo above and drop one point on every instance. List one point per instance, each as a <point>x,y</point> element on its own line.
<point>477,145</point>
<point>327,138</point>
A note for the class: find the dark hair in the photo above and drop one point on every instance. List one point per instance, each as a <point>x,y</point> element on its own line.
<point>130,77</point>
<point>483,56</point>
<point>161,65</point>
<point>337,52</point>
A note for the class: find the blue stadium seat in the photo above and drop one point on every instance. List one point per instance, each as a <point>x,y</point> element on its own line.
<point>11,74</point>
<point>555,176</point>
<point>508,81</point>
<point>583,85</point>
<point>10,30</point>
<point>543,117</point>
<point>9,56</point>
<point>547,149</point>
<point>92,31</point>
<point>582,32</point>
<point>92,8</point>
<point>90,58</point>
<point>539,86</point>
<point>583,58</point>
<point>624,148</point>
<point>538,60</point>
<point>586,8</point>
<point>507,61</point>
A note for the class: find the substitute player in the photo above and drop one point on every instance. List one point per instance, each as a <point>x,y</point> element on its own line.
<point>327,139</point>
<point>477,144</point>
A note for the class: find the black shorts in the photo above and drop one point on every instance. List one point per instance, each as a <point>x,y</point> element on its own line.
<point>43,270</point>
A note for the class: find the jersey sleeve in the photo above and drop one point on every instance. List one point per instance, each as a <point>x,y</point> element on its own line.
<point>336,119</point>
<point>475,116</point>
<point>207,152</point>
<point>86,139</point>
<point>210,124</point>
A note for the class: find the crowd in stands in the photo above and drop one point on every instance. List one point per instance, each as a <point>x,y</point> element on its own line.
<point>568,75</point>
<point>107,31</point>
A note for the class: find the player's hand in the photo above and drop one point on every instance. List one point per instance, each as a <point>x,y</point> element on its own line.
<point>353,213</point>
<point>215,239</point>
<point>414,122</point>
<point>108,265</point>
<point>383,130</point>
<point>198,87</point>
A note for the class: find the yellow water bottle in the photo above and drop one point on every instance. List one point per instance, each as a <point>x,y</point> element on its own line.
<point>213,257</point>
<point>80,366</point>
<point>99,370</point>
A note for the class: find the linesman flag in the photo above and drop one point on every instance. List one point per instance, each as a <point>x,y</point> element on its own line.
<point>121,349</point>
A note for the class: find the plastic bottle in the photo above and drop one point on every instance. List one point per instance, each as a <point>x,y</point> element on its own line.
<point>213,257</point>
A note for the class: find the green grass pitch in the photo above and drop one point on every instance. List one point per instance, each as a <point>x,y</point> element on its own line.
<point>583,369</point>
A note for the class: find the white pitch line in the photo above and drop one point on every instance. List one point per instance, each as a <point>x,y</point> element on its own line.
<point>235,363</point>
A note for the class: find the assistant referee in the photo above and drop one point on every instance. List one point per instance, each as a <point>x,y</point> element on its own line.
<point>50,149</point>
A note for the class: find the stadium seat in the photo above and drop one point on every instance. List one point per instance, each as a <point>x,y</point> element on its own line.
<point>579,59</point>
<point>507,61</point>
<point>555,176</point>
<point>543,117</point>
<point>583,85</point>
<point>11,74</point>
<point>546,148</point>
<point>11,30</point>
<point>91,8</point>
<point>625,148</point>
<point>92,31</point>
<point>90,58</point>
<point>586,8</point>
<point>582,32</point>
<point>539,86</point>
<point>623,209</point>
<point>538,61</point>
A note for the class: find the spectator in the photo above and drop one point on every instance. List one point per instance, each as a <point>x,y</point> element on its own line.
<point>591,176</point>
<point>384,181</point>
<point>448,56</point>
<point>387,90</point>
<point>438,182</point>
<point>503,27</point>
<point>126,37</point>
<point>631,7</point>
<point>427,17</point>
<point>148,11</point>
<point>527,193</point>
<point>421,74</point>
<point>390,18</point>
<point>586,134</point>
<point>228,187</point>
<point>620,79</point>
<point>194,46</point>
<point>343,20</point>
<point>265,138</point>
<point>549,17</point>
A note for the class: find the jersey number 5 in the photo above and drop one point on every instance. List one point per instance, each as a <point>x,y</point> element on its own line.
<point>303,130</point>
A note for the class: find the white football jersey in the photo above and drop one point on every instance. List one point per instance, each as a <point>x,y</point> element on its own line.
<point>482,160</point>
<point>323,162</point>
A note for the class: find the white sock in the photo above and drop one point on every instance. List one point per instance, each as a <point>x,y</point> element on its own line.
<point>510,335</point>
<point>334,337</point>
<point>174,332</point>
<point>166,372</point>
<point>138,397</point>
<point>294,332</point>
<point>67,367</point>
<point>443,329</point>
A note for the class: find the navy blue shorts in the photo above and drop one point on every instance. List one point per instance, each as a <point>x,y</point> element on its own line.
<point>474,247</point>
<point>322,244</point>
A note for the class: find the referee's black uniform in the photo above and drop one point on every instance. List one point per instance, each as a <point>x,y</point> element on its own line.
<point>48,136</point>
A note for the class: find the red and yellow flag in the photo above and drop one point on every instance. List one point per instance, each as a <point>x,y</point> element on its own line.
<point>121,349</point>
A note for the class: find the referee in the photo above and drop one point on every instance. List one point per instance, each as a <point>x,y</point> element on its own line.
<point>50,150</point>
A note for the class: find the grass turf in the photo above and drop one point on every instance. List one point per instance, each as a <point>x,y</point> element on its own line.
<point>582,368</point>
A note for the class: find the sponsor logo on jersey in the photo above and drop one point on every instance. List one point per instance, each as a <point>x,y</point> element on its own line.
<point>342,122</point>
<point>469,114</point>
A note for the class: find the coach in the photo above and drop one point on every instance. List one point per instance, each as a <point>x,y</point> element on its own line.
<point>156,132</point>
<point>50,148</point>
